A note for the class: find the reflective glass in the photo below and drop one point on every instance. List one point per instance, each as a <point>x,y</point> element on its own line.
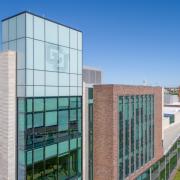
<point>29,121</point>
<point>51,91</point>
<point>51,104</point>
<point>29,77</point>
<point>21,26</point>
<point>21,53</point>
<point>20,91</point>
<point>29,105</point>
<point>63,147</point>
<point>38,154</point>
<point>38,55</point>
<point>21,105</point>
<point>63,120</point>
<point>52,78</point>
<point>73,61</point>
<point>73,80</point>
<point>73,91</point>
<point>38,120</point>
<point>52,56</point>
<point>51,150</point>
<point>79,80</point>
<point>63,103</point>
<point>73,39</point>
<point>20,77</point>
<point>12,28</point>
<point>39,91</point>
<point>63,91</point>
<point>38,28</point>
<point>5,31</point>
<point>79,62</point>
<point>73,102</point>
<point>63,36</point>
<point>29,25</point>
<point>79,40</point>
<point>29,53</point>
<point>38,104</point>
<point>73,115</point>
<point>73,144</point>
<point>63,79</point>
<point>29,157</point>
<point>51,118</point>
<point>39,77</point>
<point>63,63</point>
<point>12,45</point>
<point>51,32</point>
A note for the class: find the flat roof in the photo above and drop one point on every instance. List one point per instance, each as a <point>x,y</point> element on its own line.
<point>27,12</point>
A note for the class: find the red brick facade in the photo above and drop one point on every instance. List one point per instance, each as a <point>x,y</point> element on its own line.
<point>106,128</point>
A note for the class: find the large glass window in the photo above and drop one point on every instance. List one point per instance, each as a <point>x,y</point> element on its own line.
<point>39,77</point>
<point>38,28</point>
<point>51,104</point>
<point>21,53</point>
<point>38,120</point>
<point>5,31</point>
<point>63,36</point>
<point>79,40</point>
<point>51,32</point>
<point>21,26</point>
<point>73,80</point>
<point>12,28</point>
<point>38,55</point>
<point>52,78</point>
<point>38,104</point>
<point>63,121</point>
<point>51,118</point>
<point>73,39</point>
<point>73,61</point>
<point>63,63</point>
<point>29,25</point>
<point>29,53</point>
<point>38,154</point>
<point>63,79</point>
<point>63,103</point>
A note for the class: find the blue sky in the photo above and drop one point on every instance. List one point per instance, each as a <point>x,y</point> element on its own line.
<point>130,40</point>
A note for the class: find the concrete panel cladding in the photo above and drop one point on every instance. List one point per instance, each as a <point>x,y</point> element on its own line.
<point>144,106</point>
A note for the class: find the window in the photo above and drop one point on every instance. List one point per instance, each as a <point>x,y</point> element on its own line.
<point>21,26</point>
<point>73,80</point>
<point>63,36</point>
<point>29,157</point>
<point>79,62</point>
<point>38,90</point>
<point>63,79</point>
<point>38,104</point>
<point>63,91</point>
<point>51,104</point>
<point>63,121</point>
<point>51,150</point>
<point>51,91</point>
<point>21,53</point>
<point>39,77</point>
<point>29,121</point>
<point>73,144</point>
<point>51,118</point>
<point>63,147</point>
<point>20,77</point>
<point>12,28</point>
<point>29,105</point>
<point>29,53</point>
<point>38,154</point>
<point>52,78</point>
<point>73,163</point>
<point>38,120</point>
<point>38,55</point>
<point>51,32</point>
<point>63,103</point>
<point>63,63</point>
<point>73,61</point>
<point>5,31</point>
<point>29,91</point>
<point>73,115</point>
<point>73,39</point>
<point>73,91</point>
<point>38,28</point>
<point>29,77</point>
<point>29,25</point>
<point>80,80</point>
<point>79,40</point>
<point>73,102</point>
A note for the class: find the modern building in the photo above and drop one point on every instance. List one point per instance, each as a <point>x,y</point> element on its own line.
<point>127,123</point>
<point>91,76</point>
<point>41,99</point>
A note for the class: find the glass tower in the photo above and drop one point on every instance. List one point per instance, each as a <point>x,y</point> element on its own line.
<point>49,96</point>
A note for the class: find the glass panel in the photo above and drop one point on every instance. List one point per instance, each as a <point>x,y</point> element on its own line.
<point>79,80</point>
<point>38,28</point>
<point>73,91</point>
<point>73,39</point>
<point>39,91</point>
<point>20,91</point>
<point>12,28</point>
<point>21,53</point>
<point>39,77</point>
<point>52,57</point>
<point>38,119</point>
<point>29,157</point>
<point>21,26</point>
<point>29,91</point>
<point>38,170</point>
<point>63,147</point>
<point>38,55</point>
<point>79,119</point>
<point>73,102</point>
<point>21,105</point>
<point>73,144</point>
<point>73,163</point>
<point>63,59</point>
<point>29,25</point>
<point>79,91</point>
<point>51,91</point>
<point>29,53</point>
<point>63,167</point>
<point>63,79</point>
<point>29,121</point>
<point>51,32</point>
<point>29,77</point>
<point>5,31</point>
<point>5,46</point>
<point>63,36</point>
<point>51,78</point>
<point>38,104</point>
<point>51,104</point>
<point>63,120</point>
<point>63,103</point>
<point>79,160</point>
<point>38,154</point>
<point>29,105</point>
<point>63,91</point>
<point>79,40</point>
<point>73,115</point>
<point>79,62</point>
<point>51,118</point>
<point>20,77</point>
<point>73,61</point>
<point>73,80</point>
<point>51,150</point>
